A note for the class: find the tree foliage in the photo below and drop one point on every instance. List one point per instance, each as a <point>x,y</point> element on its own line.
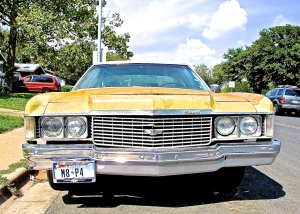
<point>204,72</point>
<point>273,58</point>
<point>215,75</point>
<point>218,75</point>
<point>58,35</point>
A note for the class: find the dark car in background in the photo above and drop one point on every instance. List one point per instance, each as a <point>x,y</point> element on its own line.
<point>285,98</point>
<point>39,83</point>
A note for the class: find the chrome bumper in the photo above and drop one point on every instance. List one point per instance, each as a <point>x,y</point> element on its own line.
<point>143,162</point>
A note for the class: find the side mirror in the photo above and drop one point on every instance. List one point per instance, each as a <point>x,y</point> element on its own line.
<point>215,88</point>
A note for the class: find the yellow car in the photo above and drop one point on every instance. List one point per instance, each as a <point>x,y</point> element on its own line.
<point>146,119</point>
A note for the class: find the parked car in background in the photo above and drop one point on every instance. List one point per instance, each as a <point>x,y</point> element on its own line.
<point>285,98</point>
<point>146,119</point>
<point>39,83</point>
<point>214,88</point>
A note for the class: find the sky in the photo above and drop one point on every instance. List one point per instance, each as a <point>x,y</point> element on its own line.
<point>197,31</point>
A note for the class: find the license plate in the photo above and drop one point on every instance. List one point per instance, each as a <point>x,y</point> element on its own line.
<point>295,101</point>
<point>74,171</point>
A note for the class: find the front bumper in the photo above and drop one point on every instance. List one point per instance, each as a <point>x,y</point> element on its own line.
<point>164,162</point>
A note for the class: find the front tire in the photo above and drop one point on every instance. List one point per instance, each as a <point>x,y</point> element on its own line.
<point>54,185</point>
<point>46,90</point>
<point>229,178</point>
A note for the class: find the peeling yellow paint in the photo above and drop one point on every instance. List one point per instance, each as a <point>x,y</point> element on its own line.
<point>84,101</point>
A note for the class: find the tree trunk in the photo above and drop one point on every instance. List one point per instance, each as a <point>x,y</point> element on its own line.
<point>11,49</point>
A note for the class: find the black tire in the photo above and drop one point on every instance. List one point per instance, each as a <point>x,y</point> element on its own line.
<point>228,179</point>
<point>46,90</point>
<point>54,185</point>
<point>277,111</point>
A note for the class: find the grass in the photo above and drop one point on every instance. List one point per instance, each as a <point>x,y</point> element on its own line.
<point>14,166</point>
<point>9,122</point>
<point>15,101</point>
<point>11,168</point>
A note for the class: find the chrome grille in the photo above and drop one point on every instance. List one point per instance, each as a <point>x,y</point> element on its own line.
<point>151,132</point>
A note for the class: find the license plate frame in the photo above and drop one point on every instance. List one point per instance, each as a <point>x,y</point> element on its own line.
<point>74,172</point>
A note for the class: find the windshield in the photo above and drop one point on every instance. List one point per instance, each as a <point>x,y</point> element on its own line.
<point>141,75</point>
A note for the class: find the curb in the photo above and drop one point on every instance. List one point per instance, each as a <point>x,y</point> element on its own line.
<point>19,178</point>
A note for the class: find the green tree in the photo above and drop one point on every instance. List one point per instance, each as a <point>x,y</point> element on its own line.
<point>240,86</point>
<point>218,75</point>
<point>204,72</point>
<point>39,29</point>
<point>3,40</point>
<point>273,58</point>
<point>234,67</point>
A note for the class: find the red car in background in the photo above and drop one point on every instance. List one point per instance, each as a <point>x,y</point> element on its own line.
<point>39,83</point>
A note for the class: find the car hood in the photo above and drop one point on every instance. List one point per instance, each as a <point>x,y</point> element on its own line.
<point>150,99</point>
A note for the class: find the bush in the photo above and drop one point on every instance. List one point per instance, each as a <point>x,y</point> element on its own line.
<point>66,88</point>
<point>239,87</point>
<point>4,89</point>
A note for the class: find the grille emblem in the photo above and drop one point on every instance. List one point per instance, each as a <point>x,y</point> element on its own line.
<point>153,132</point>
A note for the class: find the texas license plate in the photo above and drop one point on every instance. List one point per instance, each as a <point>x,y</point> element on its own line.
<point>74,171</point>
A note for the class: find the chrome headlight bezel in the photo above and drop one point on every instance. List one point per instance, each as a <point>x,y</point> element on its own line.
<point>225,125</point>
<point>248,126</point>
<point>76,127</point>
<point>62,130</point>
<point>239,132</point>
<point>54,130</point>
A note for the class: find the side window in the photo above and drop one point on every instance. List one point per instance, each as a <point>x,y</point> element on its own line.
<point>35,79</point>
<point>280,92</point>
<point>47,79</point>
<point>289,92</point>
<point>273,92</point>
<point>27,79</point>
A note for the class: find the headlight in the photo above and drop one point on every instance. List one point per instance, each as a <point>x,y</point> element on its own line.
<point>76,126</point>
<point>225,126</point>
<point>248,125</point>
<point>52,126</point>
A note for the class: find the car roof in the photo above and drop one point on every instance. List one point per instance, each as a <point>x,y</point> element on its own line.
<point>288,87</point>
<point>131,62</point>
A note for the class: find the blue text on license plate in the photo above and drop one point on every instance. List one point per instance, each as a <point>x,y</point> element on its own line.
<point>74,172</point>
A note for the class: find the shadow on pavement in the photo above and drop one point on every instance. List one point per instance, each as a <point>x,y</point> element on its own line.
<point>175,191</point>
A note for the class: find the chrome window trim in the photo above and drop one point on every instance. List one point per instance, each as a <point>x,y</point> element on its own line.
<point>185,112</point>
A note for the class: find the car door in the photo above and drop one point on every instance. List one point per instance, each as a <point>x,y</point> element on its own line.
<point>27,83</point>
<point>272,94</point>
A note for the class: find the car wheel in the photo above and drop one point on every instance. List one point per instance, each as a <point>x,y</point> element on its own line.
<point>54,185</point>
<point>228,179</point>
<point>46,90</point>
<point>276,109</point>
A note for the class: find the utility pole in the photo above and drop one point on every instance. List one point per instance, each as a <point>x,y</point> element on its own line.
<point>99,32</point>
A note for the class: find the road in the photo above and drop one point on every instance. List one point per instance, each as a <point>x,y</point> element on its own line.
<point>265,189</point>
